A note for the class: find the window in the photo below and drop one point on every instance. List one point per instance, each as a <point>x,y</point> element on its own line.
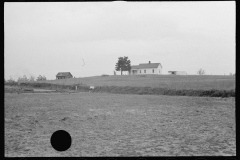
<point>145,71</point>
<point>153,70</point>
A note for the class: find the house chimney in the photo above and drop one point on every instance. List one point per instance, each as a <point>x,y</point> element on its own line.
<point>149,62</point>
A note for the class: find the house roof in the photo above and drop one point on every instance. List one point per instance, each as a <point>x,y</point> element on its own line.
<point>146,65</point>
<point>63,74</point>
<point>135,67</point>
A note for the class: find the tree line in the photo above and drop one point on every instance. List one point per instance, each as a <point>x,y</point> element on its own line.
<point>25,79</point>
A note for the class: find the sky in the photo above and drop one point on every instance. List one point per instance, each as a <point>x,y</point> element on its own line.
<point>86,38</point>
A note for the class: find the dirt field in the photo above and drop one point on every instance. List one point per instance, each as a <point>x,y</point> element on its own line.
<point>119,125</point>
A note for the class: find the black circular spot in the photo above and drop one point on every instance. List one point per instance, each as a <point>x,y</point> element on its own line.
<point>61,140</point>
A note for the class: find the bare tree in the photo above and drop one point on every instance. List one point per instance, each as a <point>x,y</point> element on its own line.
<point>201,72</point>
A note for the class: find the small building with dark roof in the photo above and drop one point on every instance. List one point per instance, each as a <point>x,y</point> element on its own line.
<point>64,75</point>
<point>177,72</point>
<point>146,68</point>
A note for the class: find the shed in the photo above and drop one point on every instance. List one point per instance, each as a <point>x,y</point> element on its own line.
<point>64,75</point>
<point>177,72</point>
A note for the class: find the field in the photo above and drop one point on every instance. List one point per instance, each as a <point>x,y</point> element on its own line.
<point>190,85</point>
<point>104,124</point>
<point>179,82</point>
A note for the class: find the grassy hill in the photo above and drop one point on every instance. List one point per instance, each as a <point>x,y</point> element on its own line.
<point>178,82</point>
<point>187,85</point>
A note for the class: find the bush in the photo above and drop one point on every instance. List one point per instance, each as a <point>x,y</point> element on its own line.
<point>104,75</point>
<point>11,83</point>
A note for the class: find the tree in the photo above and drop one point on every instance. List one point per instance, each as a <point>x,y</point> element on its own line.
<point>123,64</point>
<point>39,78</point>
<point>10,80</point>
<point>23,79</point>
<point>44,78</point>
<point>200,72</point>
<point>19,79</point>
<point>31,78</point>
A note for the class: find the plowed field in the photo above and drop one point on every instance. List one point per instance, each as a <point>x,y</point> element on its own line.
<point>119,125</point>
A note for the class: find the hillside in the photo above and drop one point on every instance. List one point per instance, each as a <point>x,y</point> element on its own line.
<point>178,82</point>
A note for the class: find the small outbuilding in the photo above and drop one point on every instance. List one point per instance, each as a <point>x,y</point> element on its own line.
<point>177,72</point>
<point>64,75</point>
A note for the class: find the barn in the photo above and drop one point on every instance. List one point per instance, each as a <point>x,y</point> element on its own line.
<point>146,68</point>
<point>64,75</point>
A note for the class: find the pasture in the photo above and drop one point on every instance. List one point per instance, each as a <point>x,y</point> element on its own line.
<point>104,124</point>
<point>178,82</point>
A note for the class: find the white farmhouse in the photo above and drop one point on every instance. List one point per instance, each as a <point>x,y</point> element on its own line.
<point>146,68</point>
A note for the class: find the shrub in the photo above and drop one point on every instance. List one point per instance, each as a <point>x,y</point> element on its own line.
<point>104,75</point>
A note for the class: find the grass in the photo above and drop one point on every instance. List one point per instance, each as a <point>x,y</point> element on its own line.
<point>119,125</point>
<point>178,82</point>
<point>131,90</point>
<point>211,86</point>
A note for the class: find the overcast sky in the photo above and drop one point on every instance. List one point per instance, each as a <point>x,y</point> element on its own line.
<point>43,38</point>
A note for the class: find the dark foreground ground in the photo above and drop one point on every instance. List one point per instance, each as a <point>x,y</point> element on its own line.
<point>104,124</point>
